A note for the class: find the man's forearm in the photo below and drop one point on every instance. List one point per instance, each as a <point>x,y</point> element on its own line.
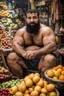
<point>18,49</point>
<point>46,49</point>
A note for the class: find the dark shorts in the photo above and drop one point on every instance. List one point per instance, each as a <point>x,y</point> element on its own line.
<point>32,64</point>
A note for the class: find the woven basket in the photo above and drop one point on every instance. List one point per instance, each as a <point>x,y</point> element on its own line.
<point>58,83</point>
<point>57,92</point>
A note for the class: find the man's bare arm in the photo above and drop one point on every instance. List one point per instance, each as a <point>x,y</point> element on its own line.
<point>49,43</point>
<point>18,43</point>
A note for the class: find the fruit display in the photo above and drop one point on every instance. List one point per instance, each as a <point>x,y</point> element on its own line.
<point>4,13</point>
<point>18,22</point>
<point>2,5</point>
<point>5,92</point>
<point>5,39</point>
<point>57,73</point>
<point>3,70</point>
<point>9,84</point>
<point>4,77</point>
<point>14,16</point>
<point>7,18</point>
<point>8,23</point>
<point>33,85</point>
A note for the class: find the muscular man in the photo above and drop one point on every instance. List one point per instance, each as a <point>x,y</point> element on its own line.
<point>33,46</point>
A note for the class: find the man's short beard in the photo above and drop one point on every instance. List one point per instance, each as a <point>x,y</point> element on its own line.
<point>33,29</point>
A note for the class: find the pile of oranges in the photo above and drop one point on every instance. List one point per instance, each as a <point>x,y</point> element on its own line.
<point>33,85</point>
<point>57,73</point>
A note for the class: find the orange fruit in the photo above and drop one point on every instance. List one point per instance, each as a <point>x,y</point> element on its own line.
<point>36,79</point>
<point>59,69</point>
<point>28,82</point>
<point>54,68</point>
<point>27,77</point>
<point>50,73</point>
<point>40,83</point>
<point>62,72</point>
<point>61,77</point>
<point>26,92</point>
<point>13,90</point>
<point>45,84</point>
<point>30,89</point>
<point>63,68</point>
<point>42,94</point>
<point>34,93</point>
<point>37,74</point>
<point>50,87</point>
<point>18,93</point>
<point>37,88</point>
<point>60,66</point>
<point>53,94</point>
<point>31,75</point>
<point>56,73</point>
<point>26,95</point>
<point>21,87</point>
<point>55,78</point>
<point>44,90</point>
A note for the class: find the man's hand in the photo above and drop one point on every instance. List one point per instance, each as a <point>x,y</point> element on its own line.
<point>30,55</point>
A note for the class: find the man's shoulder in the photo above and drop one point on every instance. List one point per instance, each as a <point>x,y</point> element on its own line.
<point>21,30</point>
<point>46,28</point>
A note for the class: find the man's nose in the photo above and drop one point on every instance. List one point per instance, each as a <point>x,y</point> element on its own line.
<point>32,19</point>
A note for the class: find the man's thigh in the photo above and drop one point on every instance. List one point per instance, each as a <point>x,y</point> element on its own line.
<point>47,61</point>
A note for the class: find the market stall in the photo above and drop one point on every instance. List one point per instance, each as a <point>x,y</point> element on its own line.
<point>34,84</point>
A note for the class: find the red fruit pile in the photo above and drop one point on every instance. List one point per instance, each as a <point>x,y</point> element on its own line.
<point>3,76</point>
<point>5,92</point>
<point>5,39</point>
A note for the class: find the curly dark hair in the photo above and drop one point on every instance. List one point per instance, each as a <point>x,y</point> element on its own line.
<point>32,11</point>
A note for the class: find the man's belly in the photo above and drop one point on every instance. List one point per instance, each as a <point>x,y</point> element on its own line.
<point>32,47</point>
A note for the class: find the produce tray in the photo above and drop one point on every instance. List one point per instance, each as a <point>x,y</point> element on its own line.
<point>4,49</point>
<point>5,72</point>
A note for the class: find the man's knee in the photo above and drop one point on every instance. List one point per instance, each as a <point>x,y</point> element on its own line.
<point>47,61</point>
<point>50,58</point>
<point>11,57</point>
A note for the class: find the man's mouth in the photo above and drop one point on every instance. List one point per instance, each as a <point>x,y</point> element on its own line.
<point>32,24</point>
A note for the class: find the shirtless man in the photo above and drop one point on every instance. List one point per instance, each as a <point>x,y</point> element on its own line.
<point>32,45</point>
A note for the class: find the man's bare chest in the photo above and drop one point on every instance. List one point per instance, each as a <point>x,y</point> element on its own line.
<point>33,40</point>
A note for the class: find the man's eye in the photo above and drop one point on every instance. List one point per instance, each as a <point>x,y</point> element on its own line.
<point>29,17</point>
<point>34,17</point>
